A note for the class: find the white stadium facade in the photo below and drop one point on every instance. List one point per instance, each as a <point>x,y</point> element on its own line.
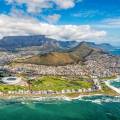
<point>11,80</point>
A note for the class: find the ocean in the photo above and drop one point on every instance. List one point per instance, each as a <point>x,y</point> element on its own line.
<point>86,108</point>
<point>115,52</point>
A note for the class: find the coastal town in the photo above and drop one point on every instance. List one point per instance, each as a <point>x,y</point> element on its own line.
<point>94,69</point>
<point>100,66</point>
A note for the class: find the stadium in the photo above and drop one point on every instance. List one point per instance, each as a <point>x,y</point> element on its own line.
<point>11,80</point>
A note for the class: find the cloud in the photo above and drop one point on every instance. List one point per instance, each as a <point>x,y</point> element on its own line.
<point>85,14</point>
<point>112,27</point>
<point>10,25</point>
<point>35,6</point>
<point>65,4</point>
<point>110,21</point>
<point>53,18</point>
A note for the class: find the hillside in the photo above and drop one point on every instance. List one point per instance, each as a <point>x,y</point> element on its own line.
<point>77,54</point>
<point>53,58</point>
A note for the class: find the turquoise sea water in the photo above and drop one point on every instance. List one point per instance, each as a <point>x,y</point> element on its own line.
<point>116,84</point>
<point>88,108</point>
<point>115,52</point>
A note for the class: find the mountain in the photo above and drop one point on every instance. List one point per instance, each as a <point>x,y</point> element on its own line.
<point>67,44</point>
<point>53,58</point>
<point>74,55</point>
<point>17,42</point>
<point>105,46</point>
<point>33,43</point>
<point>42,43</point>
<point>84,50</point>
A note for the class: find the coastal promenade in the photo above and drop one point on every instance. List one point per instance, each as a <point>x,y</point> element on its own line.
<point>48,92</point>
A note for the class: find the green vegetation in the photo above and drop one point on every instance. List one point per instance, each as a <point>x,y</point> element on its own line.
<point>58,83</point>
<point>55,83</point>
<point>109,78</point>
<point>5,88</point>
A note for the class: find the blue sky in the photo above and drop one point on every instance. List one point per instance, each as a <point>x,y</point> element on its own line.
<point>81,20</point>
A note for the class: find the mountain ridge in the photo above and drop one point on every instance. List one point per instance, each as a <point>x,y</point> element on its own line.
<point>18,43</point>
<point>43,43</point>
<point>73,56</point>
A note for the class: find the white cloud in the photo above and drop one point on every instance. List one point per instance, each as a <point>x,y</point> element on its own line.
<point>65,4</point>
<point>85,14</point>
<point>53,18</point>
<point>108,24</point>
<point>34,6</point>
<point>29,26</point>
<point>112,21</point>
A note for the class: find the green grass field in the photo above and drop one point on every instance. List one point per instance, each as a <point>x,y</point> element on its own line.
<point>55,83</point>
<point>5,88</point>
<point>59,83</point>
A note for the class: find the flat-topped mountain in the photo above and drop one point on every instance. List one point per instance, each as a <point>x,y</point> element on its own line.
<point>34,43</point>
<point>17,42</point>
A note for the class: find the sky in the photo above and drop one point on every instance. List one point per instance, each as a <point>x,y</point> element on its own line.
<point>81,20</point>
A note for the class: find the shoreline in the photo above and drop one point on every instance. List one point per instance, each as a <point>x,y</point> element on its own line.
<point>112,87</point>
<point>45,98</point>
<point>68,97</point>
